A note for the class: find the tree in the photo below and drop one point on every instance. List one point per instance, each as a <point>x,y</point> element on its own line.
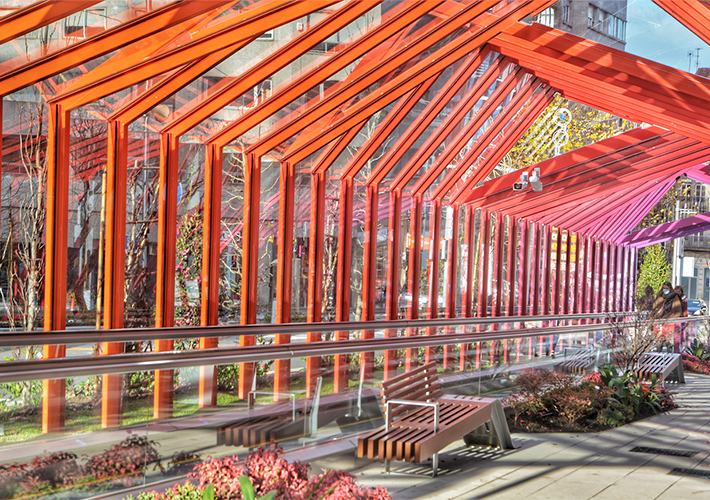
<point>654,269</point>
<point>586,126</point>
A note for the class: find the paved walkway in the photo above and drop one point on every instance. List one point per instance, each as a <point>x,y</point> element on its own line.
<point>566,466</point>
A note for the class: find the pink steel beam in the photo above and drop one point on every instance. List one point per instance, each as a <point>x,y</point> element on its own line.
<point>668,231</point>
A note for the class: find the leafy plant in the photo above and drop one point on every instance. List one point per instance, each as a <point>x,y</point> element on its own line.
<point>125,461</point>
<point>247,490</point>
<point>699,350</point>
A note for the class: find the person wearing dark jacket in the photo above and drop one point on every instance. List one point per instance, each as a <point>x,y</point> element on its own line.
<point>668,304</point>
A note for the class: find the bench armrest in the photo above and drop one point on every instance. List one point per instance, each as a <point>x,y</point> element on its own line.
<point>411,403</point>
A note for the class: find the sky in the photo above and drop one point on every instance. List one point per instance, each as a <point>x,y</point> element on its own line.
<point>653,34</point>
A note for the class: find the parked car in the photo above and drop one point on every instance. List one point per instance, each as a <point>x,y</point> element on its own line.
<point>697,307</point>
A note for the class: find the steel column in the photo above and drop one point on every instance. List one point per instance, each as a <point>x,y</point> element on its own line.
<point>284,271</point>
<point>468,253</point>
<point>211,239</point>
<point>315,273</point>
<point>165,272</point>
<point>250,262</point>
<point>451,268</point>
<point>342,297</point>
<point>55,286</point>
<point>523,265</point>
<point>393,267</point>
<point>413,273</point>
<point>369,276</point>
<point>115,265</point>
<point>434,252</point>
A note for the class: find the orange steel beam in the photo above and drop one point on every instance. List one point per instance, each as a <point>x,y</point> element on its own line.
<point>370,75</point>
<point>457,48</point>
<point>451,123</point>
<point>694,15</point>
<point>313,35</point>
<point>611,80</point>
<point>503,143</point>
<point>38,14</point>
<point>519,90</point>
<point>384,129</point>
<point>523,92</point>
<point>351,53</point>
<point>460,77</point>
<point>103,43</point>
<point>234,32</point>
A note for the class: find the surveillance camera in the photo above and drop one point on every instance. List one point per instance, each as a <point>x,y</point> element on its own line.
<point>518,186</point>
<point>536,185</point>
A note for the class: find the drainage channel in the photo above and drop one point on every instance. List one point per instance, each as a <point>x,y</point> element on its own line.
<point>664,451</point>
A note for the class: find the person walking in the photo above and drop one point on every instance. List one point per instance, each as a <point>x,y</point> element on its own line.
<point>667,305</point>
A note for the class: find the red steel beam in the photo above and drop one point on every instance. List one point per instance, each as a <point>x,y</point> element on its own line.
<point>694,15</point>
<point>503,143</point>
<point>451,122</point>
<point>521,97</point>
<point>367,76</point>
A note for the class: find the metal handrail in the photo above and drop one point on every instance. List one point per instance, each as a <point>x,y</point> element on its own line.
<point>173,333</point>
<point>58,368</point>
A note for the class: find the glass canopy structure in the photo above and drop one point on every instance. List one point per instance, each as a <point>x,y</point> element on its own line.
<point>209,163</point>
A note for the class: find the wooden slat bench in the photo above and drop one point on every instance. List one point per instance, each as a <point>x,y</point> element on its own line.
<point>663,366</point>
<point>420,421</point>
<point>582,361</point>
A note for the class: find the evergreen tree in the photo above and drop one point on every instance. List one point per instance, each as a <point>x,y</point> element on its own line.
<point>654,270</point>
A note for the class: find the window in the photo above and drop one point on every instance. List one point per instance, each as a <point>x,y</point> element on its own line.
<point>590,16</point>
<point>267,35</point>
<point>85,23</point>
<point>547,17</point>
<point>565,13</point>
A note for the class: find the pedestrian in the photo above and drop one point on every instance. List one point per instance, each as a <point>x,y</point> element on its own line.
<point>668,305</point>
<point>645,303</point>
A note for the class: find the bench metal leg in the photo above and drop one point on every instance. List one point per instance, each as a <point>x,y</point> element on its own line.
<point>387,465</point>
<point>435,464</point>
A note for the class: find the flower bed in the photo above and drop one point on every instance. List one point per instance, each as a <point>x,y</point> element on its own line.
<point>549,401</point>
<point>268,473</point>
<point>119,467</point>
<point>693,364</point>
